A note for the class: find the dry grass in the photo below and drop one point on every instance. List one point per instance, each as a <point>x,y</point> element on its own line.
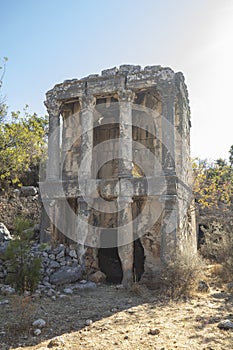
<point>181,275</point>
<point>24,310</point>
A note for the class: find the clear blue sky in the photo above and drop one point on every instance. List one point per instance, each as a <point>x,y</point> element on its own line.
<point>48,41</point>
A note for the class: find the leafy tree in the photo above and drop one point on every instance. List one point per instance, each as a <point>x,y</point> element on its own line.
<point>3,107</point>
<point>213,191</point>
<point>213,184</point>
<point>231,156</point>
<point>22,143</point>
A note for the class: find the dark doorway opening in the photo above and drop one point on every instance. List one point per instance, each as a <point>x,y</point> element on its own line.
<point>139,258</point>
<point>110,264</point>
<point>109,261</point>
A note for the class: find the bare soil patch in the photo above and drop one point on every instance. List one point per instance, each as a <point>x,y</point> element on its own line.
<point>120,320</point>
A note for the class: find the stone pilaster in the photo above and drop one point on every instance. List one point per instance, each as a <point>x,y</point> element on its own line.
<point>126,98</point>
<point>168,130</point>
<point>87,103</point>
<point>53,164</point>
<point>169,229</point>
<point>82,229</point>
<point>125,239</point>
<point>87,115</point>
<point>67,142</point>
<point>125,224</point>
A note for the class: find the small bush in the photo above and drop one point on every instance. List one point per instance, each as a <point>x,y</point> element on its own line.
<point>218,246</point>
<point>24,313</point>
<point>180,277</point>
<point>22,266</point>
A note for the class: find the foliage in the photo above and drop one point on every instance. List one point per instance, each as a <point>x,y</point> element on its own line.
<point>213,183</point>
<point>218,245</point>
<point>22,144</point>
<point>213,191</point>
<point>3,107</point>
<point>23,267</point>
<point>231,156</point>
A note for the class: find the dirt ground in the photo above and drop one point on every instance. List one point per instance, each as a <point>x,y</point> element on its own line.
<point>121,319</point>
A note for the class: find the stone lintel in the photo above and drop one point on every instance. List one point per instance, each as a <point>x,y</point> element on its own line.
<point>148,79</point>
<point>114,79</point>
<point>111,189</point>
<point>106,84</point>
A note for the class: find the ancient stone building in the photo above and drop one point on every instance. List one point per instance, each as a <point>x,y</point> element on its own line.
<point>118,176</point>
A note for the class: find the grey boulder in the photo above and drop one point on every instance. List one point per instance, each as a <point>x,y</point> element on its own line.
<point>26,191</point>
<point>66,274</point>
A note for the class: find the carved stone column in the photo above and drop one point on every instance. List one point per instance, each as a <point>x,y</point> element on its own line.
<point>53,164</point>
<point>87,103</point>
<point>168,130</point>
<point>82,230</point>
<point>125,224</point>
<point>87,115</point>
<point>125,240</point>
<point>170,221</point>
<point>126,98</point>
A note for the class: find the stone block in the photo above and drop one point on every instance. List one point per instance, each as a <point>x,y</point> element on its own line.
<point>65,275</point>
<point>109,72</point>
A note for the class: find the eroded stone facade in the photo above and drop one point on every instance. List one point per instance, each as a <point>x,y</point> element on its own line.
<point>119,170</point>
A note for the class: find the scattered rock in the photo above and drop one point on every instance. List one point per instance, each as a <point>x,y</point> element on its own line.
<point>4,233</point>
<point>85,286</point>
<point>37,331</point>
<point>66,274</point>
<point>62,296</point>
<point>59,249</point>
<point>52,256</point>
<point>114,309</point>
<point>230,287</point>
<point>73,253</point>
<point>60,255</point>
<point>68,291</point>
<point>7,290</point>
<point>97,277</point>
<point>54,264</point>
<point>51,292</point>
<point>26,191</point>
<point>4,302</point>
<point>40,323</point>
<point>225,324</point>
<point>154,331</point>
<point>203,286</point>
<point>58,341</point>
<point>88,322</point>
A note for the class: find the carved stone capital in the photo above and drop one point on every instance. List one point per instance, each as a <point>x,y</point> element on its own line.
<point>167,91</point>
<point>126,95</point>
<point>53,107</point>
<point>88,102</point>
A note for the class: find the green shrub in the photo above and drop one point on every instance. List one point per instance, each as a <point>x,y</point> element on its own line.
<point>23,267</point>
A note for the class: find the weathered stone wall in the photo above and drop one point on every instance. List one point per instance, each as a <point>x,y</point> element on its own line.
<point>145,113</point>
<point>59,268</point>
